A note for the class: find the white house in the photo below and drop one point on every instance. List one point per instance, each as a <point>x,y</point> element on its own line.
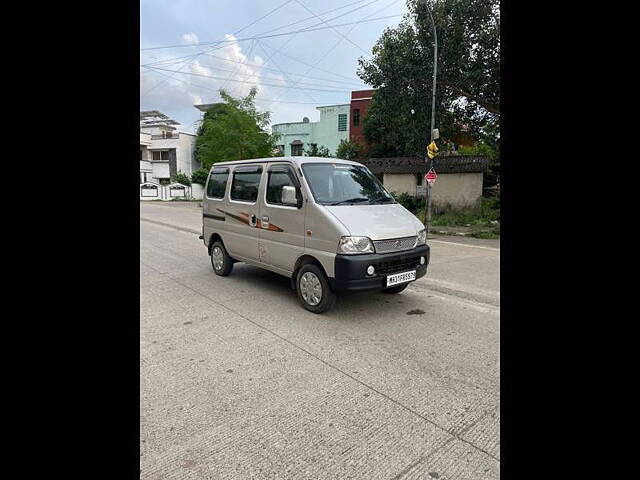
<point>164,150</point>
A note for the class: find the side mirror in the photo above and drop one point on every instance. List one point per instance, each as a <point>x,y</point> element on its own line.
<point>289,196</point>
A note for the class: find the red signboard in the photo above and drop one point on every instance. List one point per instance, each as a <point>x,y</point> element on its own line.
<point>431,176</point>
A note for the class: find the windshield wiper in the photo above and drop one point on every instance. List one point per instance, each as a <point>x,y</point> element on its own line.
<point>351,200</point>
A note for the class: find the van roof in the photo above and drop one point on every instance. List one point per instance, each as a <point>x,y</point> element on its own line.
<point>299,161</point>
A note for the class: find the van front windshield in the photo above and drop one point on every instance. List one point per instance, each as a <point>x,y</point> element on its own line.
<point>342,184</point>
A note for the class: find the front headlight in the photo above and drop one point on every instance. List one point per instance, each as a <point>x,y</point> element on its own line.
<point>422,237</point>
<point>355,245</point>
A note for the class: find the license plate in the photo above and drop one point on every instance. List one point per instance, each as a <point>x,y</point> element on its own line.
<point>401,278</point>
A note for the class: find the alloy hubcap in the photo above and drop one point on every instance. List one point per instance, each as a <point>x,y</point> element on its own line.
<point>311,288</point>
<point>217,257</point>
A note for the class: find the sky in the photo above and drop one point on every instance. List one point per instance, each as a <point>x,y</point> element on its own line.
<point>294,72</point>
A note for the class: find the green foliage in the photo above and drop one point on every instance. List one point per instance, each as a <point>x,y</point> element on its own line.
<point>182,178</point>
<point>348,150</point>
<point>492,176</point>
<point>200,176</point>
<point>410,202</point>
<point>315,151</point>
<point>479,149</point>
<point>484,217</point>
<point>484,220</point>
<point>234,130</point>
<point>468,81</point>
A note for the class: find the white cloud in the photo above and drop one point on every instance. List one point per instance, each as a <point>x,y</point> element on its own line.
<point>182,91</point>
<point>190,38</point>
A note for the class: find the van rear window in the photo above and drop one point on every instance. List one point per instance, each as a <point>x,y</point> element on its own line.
<point>217,183</point>
<point>246,181</point>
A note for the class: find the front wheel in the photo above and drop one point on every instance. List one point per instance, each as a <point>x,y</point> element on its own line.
<point>396,289</point>
<point>313,289</point>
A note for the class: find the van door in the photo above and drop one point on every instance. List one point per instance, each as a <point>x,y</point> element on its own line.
<point>281,226</point>
<point>242,211</point>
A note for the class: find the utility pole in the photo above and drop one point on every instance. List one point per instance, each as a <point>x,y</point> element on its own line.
<point>429,161</point>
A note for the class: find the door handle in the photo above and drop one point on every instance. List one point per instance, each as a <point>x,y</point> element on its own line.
<point>265,221</point>
<point>252,220</point>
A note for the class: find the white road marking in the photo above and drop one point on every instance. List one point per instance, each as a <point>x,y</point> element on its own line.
<point>464,245</point>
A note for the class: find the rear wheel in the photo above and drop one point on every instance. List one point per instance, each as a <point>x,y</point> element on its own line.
<point>313,289</point>
<point>396,289</point>
<point>221,262</point>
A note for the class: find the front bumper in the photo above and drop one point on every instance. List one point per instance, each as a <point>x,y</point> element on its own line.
<point>351,270</point>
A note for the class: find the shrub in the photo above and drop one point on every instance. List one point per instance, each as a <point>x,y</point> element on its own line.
<point>200,176</point>
<point>182,178</point>
<point>348,150</point>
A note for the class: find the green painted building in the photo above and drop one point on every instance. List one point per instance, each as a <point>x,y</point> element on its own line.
<point>296,137</point>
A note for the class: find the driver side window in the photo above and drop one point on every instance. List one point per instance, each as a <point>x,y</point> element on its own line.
<point>278,178</point>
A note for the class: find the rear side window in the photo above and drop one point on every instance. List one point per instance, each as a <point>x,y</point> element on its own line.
<point>246,181</point>
<point>217,183</point>
<point>278,178</point>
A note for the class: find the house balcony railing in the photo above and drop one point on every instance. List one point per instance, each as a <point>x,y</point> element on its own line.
<point>165,137</point>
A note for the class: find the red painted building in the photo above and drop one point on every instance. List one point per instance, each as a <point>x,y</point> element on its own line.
<point>360,101</point>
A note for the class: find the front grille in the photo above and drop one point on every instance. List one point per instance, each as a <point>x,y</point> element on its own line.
<point>397,266</point>
<point>394,244</point>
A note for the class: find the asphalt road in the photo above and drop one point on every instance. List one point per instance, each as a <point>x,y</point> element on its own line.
<point>238,381</point>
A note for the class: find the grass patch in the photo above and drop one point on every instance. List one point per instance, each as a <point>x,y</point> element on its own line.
<point>484,220</point>
<point>449,216</point>
<point>492,231</point>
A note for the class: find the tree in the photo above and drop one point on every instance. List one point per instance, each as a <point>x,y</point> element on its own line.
<point>315,151</point>
<point>492,176</point>
<point>234,130</point>
<point>348,149</point>
<point>200,176</point>
<point>468,80</point>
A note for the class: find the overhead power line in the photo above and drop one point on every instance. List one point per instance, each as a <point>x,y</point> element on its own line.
<point>264,16</point>
<point>258,37</point>
<point>233,72</point>
<point>243,81</point>
<point>332,27</point>
<point>284,26</point>
<point>195,57</point>
<point>270,59</point>
<point>253,23</point>
<point>256,99</point>
<point>352,81</point>
<point>323,13</point>
<point>340,41</point>
<point>262,67</point>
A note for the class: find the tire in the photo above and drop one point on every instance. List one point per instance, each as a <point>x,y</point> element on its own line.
<point>311,282</point>
<point>226,266</point>
<point>396,289</point>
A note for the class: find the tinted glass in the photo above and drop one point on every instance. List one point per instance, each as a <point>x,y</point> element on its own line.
<point>335,184</point>
<point>245,184</point>
<point>277,180</point>
<point>217,183</point>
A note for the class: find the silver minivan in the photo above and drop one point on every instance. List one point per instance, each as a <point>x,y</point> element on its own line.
<point>327,224</point>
